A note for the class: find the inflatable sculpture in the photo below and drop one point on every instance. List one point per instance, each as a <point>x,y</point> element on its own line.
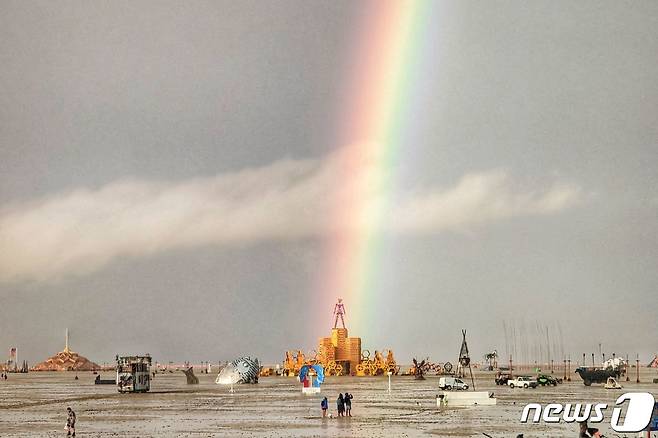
<point>311,377</point>
<point>242,370</point>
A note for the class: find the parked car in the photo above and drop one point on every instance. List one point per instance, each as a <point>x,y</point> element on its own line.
<point>452,383</point>
<point>502,378</point>
<point>522,382</point>
<point>544,380</point>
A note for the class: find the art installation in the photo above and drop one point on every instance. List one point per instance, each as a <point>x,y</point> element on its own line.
<point>67,360</point>
<point>339,312</point>
<point>191,378</point>
<point>242,370</point>
<point>311,377</point>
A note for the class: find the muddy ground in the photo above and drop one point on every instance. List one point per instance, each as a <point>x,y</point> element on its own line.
<point>35,405</point>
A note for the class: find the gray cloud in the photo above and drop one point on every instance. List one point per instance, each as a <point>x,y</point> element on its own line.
<point>81,231</point>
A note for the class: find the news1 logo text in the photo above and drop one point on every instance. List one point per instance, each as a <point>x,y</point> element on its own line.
<point>637,407</point>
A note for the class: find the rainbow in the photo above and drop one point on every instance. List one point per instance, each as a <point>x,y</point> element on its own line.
<point>376,108</point>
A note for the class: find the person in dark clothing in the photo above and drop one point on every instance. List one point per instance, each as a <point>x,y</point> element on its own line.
<point>348,404</point>
<point>588,432</point>
<point>324,404</point>
<point>70,422</point>
<point>340,404</point>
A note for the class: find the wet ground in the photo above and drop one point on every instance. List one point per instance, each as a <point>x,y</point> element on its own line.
<point>35,405</point>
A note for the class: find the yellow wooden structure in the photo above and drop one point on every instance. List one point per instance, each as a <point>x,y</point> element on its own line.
<point>341,355</point>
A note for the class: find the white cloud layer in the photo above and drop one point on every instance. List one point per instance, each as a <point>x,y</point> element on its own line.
<point>81,231</point>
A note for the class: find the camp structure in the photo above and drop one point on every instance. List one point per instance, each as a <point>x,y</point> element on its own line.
<point>66,360</point>
<point>133,373</point>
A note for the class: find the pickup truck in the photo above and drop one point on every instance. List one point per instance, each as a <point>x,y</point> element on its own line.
<point>522,382</point>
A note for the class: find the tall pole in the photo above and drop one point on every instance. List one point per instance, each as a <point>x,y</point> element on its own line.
<point>637,367</point>
<point>66,345</point>
<point>510,367</point>
<point>564,368</point>
<point>627,365</point>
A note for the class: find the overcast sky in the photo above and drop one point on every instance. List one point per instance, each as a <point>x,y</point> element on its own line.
<point>164,168</point>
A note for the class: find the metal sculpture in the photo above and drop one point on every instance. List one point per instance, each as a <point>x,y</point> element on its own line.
<point>242,370</point>
<point>419,369</point>
<point>465,359</point>
<point>191,378</point>
<point>492,359</point>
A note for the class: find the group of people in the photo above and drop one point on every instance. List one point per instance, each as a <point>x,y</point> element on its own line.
<point>3,376</point>
<point>343,405</point>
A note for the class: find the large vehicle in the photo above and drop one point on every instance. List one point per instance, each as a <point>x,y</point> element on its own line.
<point>452,383</point>
<point>596,375</point>
<point>522,382</point>
<point>134,373</point>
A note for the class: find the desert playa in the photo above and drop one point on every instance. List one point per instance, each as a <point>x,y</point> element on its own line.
<point>35,404</point>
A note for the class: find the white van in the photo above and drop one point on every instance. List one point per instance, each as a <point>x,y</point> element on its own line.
<point>452,383</point>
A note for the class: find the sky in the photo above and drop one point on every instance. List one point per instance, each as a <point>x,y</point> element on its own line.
<point>168,172</point>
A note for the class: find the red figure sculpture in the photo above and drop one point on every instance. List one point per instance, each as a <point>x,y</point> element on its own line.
<point>339,311</point>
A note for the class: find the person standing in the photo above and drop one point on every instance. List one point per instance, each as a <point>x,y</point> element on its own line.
<point>324,404</point>
<point>588,432</point>
<point>348,404</point>
<point>70,422</point>
<point>340,404</point>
